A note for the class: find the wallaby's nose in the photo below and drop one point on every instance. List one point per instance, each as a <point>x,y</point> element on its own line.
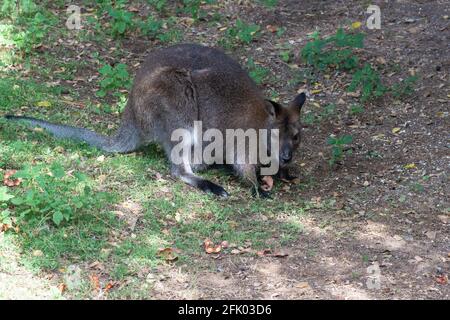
<point>286,156</point>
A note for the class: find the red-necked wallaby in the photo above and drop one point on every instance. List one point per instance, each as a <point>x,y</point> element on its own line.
<point>184,83</point>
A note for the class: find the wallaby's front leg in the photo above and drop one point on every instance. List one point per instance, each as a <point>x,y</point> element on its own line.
<point>248,173</point>
<point>284,175</point>
<point>184,172</point>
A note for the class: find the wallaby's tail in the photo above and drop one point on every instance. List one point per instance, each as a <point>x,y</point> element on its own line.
<point>125,140</point>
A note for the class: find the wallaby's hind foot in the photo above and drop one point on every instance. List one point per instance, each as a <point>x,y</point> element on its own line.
<point>184,173</point>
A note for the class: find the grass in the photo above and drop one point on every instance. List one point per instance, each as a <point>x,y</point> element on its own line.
<point>171,214</point>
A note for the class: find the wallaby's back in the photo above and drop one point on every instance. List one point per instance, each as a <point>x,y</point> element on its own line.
<point>226,96</point>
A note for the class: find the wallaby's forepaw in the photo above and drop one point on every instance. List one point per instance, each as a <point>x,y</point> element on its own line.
<point>285,176</point>
<point>260,193</point>
<point>208,186</point>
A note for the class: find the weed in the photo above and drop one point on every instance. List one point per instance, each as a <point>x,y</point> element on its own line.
<point>334,51</point>
<point>257,73</point>
<point>404,88</point>
<point>355,109</point>
<point>113,78</point>
<point>243,32</point>
<point>51,193</point>
<point>269,3</point>
<point>122,21</point>
<point>368,80</point>
<point>338,149</point>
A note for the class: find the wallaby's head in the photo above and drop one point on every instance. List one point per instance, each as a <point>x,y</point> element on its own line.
<point>287,121</point>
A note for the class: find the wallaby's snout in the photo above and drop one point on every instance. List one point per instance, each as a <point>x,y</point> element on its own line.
<point>288,123</point>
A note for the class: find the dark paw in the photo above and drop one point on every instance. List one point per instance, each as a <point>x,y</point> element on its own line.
<point>261,193</point>
<point>284,176</point>
<point>208,186</point>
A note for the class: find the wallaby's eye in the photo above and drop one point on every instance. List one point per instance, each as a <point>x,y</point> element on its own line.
<point>296,137</point>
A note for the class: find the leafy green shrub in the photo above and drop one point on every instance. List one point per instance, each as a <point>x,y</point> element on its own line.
<point>51,194</point>
<point>33,31</point>
<point>257,73</point>
<point>316,117</point>
<point>368,80</point>
<point>404,88</point>
<point>333,51</point>
<point>113,79</point>
<point>269,3</point>
<point>338,149</point>
<point>122,21</point>
<point>193,7</point>
<point>355,109</point>
<point>11,8</point>
<point>159,5</point>
<point>243,32</point>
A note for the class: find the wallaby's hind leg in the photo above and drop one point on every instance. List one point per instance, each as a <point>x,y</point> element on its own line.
<point>248,173</point>
<point>184,172</point>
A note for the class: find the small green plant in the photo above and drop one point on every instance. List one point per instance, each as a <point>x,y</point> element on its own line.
<point>314,117</point>
<point>14,8</point>
<point>269,3</point>
<point>404,88</point>
<point>35,30</point>
<point>257,73</point>
<point>159,5</point>
<point>152,26</point>
<point>113,79</point>
<point>122,21</point>
<point>51,194</point>
<point>368,80</point>
<point>243,32</point>
<point>286,56</point>
<point>334,51</point>
<point>5,214</point>
<point>355,109</point>
<point>193,7</point>
<point>339,148</point>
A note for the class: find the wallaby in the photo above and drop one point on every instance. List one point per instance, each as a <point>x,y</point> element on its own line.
<point>184,83</point>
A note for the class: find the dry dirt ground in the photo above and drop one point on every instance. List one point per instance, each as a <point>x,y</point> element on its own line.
<point>385,219</point>
<point>385,216</point>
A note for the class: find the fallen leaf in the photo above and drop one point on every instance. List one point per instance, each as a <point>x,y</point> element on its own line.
<point>267,183</point>
<point>410,166</point>
<point>396,130</point>
<point>109,286</point>
<point>95,282</point>
<point>37,253</point>
<point>280,254</point>
<point>442,279</point>
<point>356,25</point>
<point>11,182</point>
<point>316,91</point>
<point>264,252</point>
<point>62,287</point>
<point>96,265</point>
<point>210,247</point>
<point>44,104</point>
<point>431,235</point>
<point>167,254</point>
<point>303,285</point>
<point>272,28</point>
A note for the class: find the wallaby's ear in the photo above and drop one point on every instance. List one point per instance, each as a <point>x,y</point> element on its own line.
<point>273,108</point>
<point>299,101</point>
